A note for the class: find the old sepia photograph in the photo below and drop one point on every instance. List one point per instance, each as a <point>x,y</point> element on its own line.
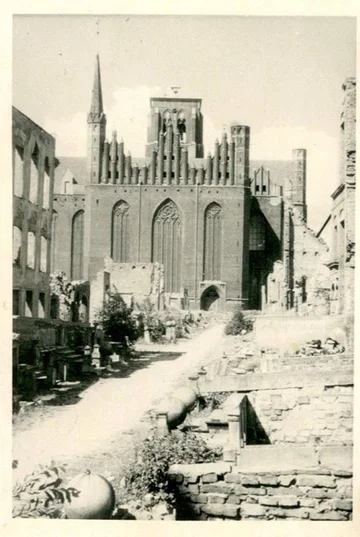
<point>183,272</point>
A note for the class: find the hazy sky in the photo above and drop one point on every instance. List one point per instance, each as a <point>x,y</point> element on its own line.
<point>282,76</point>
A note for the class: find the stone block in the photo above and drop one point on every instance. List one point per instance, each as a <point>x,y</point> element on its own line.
<point>255,491</point>
<point>318,481</point>
<point>198,498</point>
<point>320,494</point>
<point>287,501</point>
<point>343,473</point>
<point>303,400</point>
<point>286,480</point>
<point>337,457</point>
<point>268,500</point>
<point>249,480</point>
<point>330,515</point>
<point>233,478</point>
<point>343,505</point>
<point>193,489</point>
<point>268,480</point>
<point>296,513</point>
<point>234,499</point>
<point>219,487</point>
<point>209,478</point>
<point>227,510</point>
<point>251,510</point>
<point>217,498</point>
<point>275,458</point>
<point>285,491</point>
<point>307,502</point>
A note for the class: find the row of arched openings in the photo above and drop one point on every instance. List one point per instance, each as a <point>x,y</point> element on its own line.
<point>166,241</point>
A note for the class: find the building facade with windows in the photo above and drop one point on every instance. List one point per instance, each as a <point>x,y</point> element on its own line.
<point>34,163</point>
<point>215,222</point>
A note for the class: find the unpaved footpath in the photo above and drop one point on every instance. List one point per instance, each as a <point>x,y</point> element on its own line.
<point>111,408</point>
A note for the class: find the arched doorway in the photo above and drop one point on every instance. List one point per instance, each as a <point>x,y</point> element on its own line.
<point>210,299</point>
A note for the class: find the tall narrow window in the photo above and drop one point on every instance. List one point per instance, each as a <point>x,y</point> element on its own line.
<point>16,246</point>
<point>46,189</point>
<point>31,250</point>
<point>120,232</point>
<point>257,232</point>
<point>212,242</point>
<point>18,171</point>
<point>41,306</point>
<point>167,244</point>
<point>77,246</point>
<point>29,304</point>
<point>34,175</point>
<point>16,302</point>
<point>43,254</point>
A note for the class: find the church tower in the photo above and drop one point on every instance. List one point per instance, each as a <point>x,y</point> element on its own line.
<point>96,130</point>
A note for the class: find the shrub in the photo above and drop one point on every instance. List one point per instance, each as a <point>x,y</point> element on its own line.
<point>154,456</point>
<point>238,323</point>
<point>117,320</point>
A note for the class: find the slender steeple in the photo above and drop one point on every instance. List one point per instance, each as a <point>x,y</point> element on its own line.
<point>96,129</point>
<point>96,109</point>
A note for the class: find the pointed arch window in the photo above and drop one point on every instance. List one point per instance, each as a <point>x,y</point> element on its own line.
<point>257,232</point>
<point>77,246</point>
<point>120,232</point>
<point>212,242</point>
<point>167,244</point>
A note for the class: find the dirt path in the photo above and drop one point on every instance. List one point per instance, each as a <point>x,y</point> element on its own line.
<point>110,409</point>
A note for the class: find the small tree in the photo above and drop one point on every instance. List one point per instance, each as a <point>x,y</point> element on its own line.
<point>117,321</point>
<point>238,323</point>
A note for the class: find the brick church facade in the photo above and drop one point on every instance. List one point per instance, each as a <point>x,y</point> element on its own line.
<point>217,223</point>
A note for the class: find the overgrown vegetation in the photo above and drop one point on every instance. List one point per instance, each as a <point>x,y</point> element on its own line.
<point>156,320</point>
<point>148,476</point>
<point>238,324</point>
<point>41,493</point>
<point>117,320</point>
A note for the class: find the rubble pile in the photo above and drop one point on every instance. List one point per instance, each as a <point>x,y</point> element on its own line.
<point>315,347</point>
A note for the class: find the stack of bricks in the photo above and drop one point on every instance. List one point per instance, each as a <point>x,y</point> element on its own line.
<point>217,491</point>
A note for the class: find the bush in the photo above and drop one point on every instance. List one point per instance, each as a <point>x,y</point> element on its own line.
<point>238,323</point>
<point>154,456</point>
<point>117,320</point>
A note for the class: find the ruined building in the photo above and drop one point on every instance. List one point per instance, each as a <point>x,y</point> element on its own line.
<point>216,222</point>
<point>33,180</point>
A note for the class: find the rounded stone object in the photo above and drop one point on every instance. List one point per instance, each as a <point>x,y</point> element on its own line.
<point>175,411</point>
<point>93,497</point>
<point>187,395</point>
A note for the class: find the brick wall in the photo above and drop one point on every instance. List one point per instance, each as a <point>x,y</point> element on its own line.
<point>220,491</point>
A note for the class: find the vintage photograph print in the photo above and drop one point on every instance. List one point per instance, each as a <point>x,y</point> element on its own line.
<point>183,267</point>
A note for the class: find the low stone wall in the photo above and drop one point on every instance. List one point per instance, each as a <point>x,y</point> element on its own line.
<point>309,414</point>
<point>270,362</point>
<point>313,406</point>
<point>220,491</point>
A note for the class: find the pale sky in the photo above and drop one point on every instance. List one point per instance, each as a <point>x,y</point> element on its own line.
<point>280,75</point>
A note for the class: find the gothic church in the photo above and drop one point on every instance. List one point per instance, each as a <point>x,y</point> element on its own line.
<point>217,223</point>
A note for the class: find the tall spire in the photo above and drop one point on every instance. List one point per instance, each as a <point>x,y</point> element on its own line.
<point>96,99</point>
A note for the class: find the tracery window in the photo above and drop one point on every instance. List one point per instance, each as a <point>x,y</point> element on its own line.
<point>212,242</point>
<point>120,232</point>
<point>167,244</point>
